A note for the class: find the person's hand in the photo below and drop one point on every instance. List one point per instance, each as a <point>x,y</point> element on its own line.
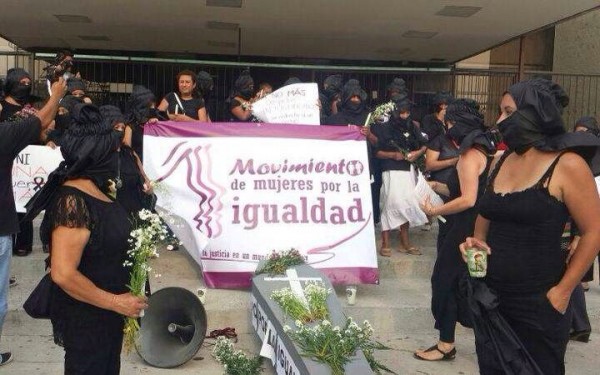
<point>129,305</point>
<point>152,120</point>
<point>558,299</point>
<point>147,187</point>
<point>398,156</point>
<point>572,247</point>
<point>427,207</point>
<point>59,88</point>
<point>472,242</point>
<point>319,104</point>
<point>365,130</point>
<point>412,156</point>
<point>51,144</point>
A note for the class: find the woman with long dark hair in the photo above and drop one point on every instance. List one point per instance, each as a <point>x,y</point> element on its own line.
<point>185,104</point>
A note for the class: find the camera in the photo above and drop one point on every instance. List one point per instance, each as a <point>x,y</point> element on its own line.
<point>59,69</point>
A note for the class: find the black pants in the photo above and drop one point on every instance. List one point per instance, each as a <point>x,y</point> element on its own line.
<point>543,331</point>
<point>94,353</point>
<point>581,321</point>
<point>24,239</point>
<point>589,275</point>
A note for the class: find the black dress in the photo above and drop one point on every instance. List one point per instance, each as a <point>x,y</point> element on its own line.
<point>524,234</point>
<point>448,302</point>
<point>447,150</point>
<point>190,106</point>
<point>92,337</point>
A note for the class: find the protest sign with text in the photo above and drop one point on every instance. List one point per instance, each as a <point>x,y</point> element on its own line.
<point>30,172</point>
<point>291,104</point>
<point>239,191</point>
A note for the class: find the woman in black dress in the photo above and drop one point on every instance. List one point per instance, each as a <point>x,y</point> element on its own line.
<point>88,234</point>
<point>465,186</point>
<point>131,181</point>
<point>532,190</point>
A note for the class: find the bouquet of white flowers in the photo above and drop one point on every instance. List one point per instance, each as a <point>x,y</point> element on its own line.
<point>144,238</point>
<point>235,362</point>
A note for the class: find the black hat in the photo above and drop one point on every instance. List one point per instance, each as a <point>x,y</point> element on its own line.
<point>74,84</point>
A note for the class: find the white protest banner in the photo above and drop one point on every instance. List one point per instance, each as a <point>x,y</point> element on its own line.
<point>30,172</point>
<point>291,104</point>
<point>240,191</point>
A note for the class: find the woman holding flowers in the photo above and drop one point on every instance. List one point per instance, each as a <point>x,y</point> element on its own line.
<point>88,236</point>
<point>399,144</point>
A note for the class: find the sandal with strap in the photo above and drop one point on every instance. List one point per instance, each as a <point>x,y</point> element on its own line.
<point>385,252</point>
<point>413,250</point>
<point>449,356</point>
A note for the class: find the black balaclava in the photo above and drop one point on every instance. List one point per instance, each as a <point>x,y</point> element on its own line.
<point>591,124</point>
<point>89,151</point>
<point>332,86</point>
<point>63,122</point>
<point>401,104</point>
<point>441,97</point>
<point>397,86</point>
<point>139,106</point>
<point>74,84</point>
<point>350,89</point>
<point>466,118</point>
<point>205,84</point>
<point>540,104</point>
<point>112,115</point>
<point>291,81</point>
<point>244,85</point>
<point>14,88</point>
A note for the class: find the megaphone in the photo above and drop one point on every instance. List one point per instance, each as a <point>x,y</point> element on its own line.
<point>172,329</point>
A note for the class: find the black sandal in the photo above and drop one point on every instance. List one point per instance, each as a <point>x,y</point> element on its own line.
<point>445,356</point>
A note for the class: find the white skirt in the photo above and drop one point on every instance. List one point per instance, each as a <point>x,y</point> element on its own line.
<point>398,201</point>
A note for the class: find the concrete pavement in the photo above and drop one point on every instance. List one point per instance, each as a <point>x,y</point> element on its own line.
<point>398,308</point>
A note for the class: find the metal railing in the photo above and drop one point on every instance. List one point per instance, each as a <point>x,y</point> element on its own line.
<point>111,78</point>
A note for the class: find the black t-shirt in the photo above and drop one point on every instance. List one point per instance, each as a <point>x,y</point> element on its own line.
<point>8,110</point>
<point>432,126</point>
<point>392,137</point>
<point>448,150</point>
<point>14,137</point>
<point>190,106</point>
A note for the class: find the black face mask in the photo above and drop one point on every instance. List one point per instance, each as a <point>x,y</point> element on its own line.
<point>62,122</point>
<point>119,135</point>
<point>353,107</point>
<point>21,93</point>
<point>458,133</point>
<point>246,93</point>
<point>519,133</point>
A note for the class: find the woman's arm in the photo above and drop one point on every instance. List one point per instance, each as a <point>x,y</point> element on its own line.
<point>396,155</point>
<point>163,105</point>
<point>575,183</point>
<point>414,155</point>
<point>479,237</point>
<point>242,113</point>
<point>433,162</point>
<point>67,248</point>
<point>469,166</point>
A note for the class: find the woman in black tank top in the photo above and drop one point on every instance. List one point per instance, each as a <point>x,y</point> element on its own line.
<point>531,193</point>
<point>465,186</point>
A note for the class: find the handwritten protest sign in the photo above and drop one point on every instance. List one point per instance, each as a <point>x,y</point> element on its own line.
<point>291,104</point>
<point>30,172</point>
